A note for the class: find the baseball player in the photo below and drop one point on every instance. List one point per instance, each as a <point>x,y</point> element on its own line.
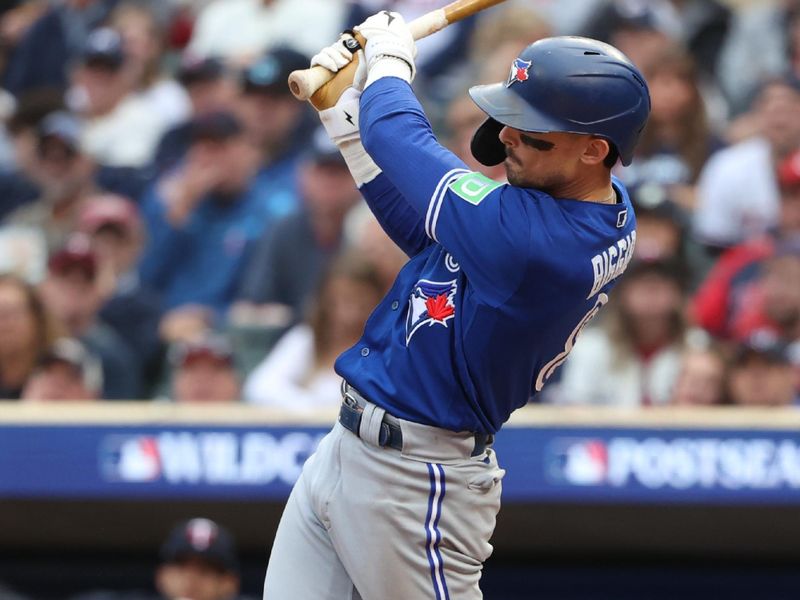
<point>400,499</point>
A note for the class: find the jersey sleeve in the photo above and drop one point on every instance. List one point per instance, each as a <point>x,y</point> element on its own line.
<point>396,216</point>
<point>482,223</point>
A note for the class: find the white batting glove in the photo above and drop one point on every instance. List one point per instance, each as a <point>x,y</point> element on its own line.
<point>339,54</point>
<point>390,49</point>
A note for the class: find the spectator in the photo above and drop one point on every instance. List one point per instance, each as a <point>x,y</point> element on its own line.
<point>367,238</point>
<point>210,90</point>
<point>737,192</point>
<point>290,258</point>
<point>298,374</point>
<point>43,55</point>
<point>117,236</point>
<point>702,377</point>
<point>279,125</point>
<point>204,371</point>
<point>204,218</point>
<point>729,302</point>
<point>495,43</point>
<point>16,19</point>
<point>144,42</point>
<point>64,178</point>
<point>762,374</point>
<point>198,562</point>
<point>763,43</point>
<point>635,33</point>
<point>122,129</point>
<point>660,225</point>
<point>633,358</point>
<point>67,371</point>
<point>701,26</point>
<point>22,128</point>
<point>71,291</point>
<point>260,25</point>
<point>778,308</point>
<point>677,140</point>
<point>54,169</point>
<point>26,330</point>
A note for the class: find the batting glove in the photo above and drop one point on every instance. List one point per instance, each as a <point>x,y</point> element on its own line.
<point>390,49</point>
<point>339,54</point>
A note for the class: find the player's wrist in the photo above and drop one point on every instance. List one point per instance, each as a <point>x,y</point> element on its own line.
<point>341,124</point>
<point>361,166</point>
<point>389,66</point>
<point>341,121</point>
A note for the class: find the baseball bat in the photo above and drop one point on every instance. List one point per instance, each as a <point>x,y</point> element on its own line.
<point>318,85</point>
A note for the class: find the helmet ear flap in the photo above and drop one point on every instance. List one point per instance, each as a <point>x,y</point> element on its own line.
<point>486,146</point>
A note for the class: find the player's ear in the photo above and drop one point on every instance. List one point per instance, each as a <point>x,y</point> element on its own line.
<point>595,151</point>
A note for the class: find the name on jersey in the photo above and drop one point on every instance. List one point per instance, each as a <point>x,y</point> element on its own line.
<point>611,263</point>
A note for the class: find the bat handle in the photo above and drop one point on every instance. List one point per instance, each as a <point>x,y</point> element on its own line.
<point>322,87</point>
<point>304,83</point>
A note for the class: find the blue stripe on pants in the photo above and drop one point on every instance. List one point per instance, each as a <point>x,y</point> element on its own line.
<point>432,534</point>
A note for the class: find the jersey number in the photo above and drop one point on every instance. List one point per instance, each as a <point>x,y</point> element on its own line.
<point>551,366</point>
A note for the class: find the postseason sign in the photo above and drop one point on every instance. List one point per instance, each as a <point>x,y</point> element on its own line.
<point>544,464</point>
<point>666,465</point>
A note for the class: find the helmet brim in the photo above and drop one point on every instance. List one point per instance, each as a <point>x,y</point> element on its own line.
<point>506,108</point>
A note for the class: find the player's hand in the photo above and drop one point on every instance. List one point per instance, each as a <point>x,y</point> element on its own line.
<point>388,36</point>
<point>336,56</point>
<point>340,54</point>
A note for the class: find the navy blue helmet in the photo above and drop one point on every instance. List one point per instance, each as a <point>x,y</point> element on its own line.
<point>568,84</point>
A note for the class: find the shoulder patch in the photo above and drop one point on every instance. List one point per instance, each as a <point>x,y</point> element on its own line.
<point>474,187</point>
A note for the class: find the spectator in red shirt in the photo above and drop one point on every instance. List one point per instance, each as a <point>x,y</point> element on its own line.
<point>729,303</point>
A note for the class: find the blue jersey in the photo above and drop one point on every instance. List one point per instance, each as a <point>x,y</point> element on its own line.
<point>500,283</point>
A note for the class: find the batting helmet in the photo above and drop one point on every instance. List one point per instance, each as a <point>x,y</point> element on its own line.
<point>569,84</point>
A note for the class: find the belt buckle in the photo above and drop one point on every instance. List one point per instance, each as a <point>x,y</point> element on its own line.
<point>350,401</point>
<point>384,435</point>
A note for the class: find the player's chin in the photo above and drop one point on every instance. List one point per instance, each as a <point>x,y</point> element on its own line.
<point>514,175</point>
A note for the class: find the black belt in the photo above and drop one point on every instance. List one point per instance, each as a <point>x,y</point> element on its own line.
<point>390,434</point>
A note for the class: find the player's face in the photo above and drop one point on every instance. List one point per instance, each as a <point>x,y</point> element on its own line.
<point>545,161</point>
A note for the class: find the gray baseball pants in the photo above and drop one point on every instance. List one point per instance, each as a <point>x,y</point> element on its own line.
<point>373,523</point>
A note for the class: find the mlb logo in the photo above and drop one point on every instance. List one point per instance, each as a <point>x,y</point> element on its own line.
<point>579,462</point>
<point>519,71</point>
<point>130,458</point>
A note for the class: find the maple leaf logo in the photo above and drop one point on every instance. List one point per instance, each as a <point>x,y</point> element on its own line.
<point>430,303</point>
<point>438,308</point>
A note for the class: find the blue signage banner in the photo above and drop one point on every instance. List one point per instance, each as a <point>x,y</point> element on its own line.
<point>617,465</point>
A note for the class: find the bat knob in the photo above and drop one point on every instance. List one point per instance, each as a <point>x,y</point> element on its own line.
<point>298,85</point>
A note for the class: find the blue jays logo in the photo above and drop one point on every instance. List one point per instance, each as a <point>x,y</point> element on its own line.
<point>430,303</point>
<point>519,71</point>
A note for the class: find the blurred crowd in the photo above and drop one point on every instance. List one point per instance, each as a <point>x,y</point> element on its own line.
<point>174,226</point>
